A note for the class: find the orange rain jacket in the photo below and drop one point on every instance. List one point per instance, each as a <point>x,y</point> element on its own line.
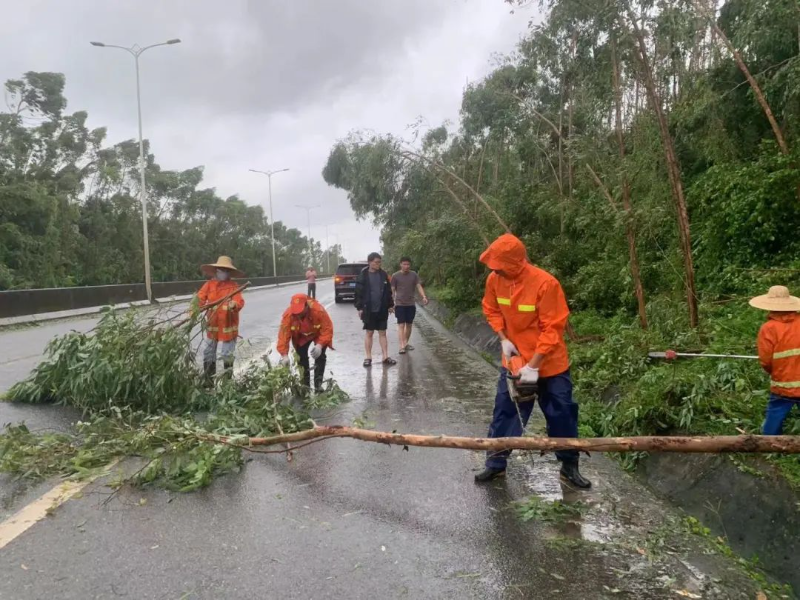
<point>528,305</point>
<point>222,320</point>
<point>779,352</point>
<point>315,326</point>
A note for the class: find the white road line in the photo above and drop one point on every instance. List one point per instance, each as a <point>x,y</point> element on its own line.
<point>37,510</point>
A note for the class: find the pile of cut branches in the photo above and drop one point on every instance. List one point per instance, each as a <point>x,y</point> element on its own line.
<point>136,380</point>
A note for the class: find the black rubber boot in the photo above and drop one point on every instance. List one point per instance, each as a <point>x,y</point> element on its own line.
<point>209,371</point>
<point>319,373</point>
<point>571,474</point>
<point>488,474</point>
<point>227,363</point>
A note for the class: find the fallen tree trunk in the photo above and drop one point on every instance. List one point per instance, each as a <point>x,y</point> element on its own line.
<point>785,444</point>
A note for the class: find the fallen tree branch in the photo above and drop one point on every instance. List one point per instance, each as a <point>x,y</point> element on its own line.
<point>785,444</point>
<point>211,305</point>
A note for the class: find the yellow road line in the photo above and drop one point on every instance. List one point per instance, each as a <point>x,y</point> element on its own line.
<point>37,510</point>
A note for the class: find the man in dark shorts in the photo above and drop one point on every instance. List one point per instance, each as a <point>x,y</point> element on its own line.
<point>404,285</point>
<point>374,302</point>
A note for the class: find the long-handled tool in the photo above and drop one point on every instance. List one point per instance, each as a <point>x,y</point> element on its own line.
<point>672,355</point>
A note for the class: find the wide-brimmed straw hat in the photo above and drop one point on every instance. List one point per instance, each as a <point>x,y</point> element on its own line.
<point>223,262</point>
<point>777,299</point>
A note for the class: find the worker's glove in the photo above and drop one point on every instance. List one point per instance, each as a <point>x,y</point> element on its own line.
<point>284,362</point>
<point>509,349</point>
<point>232,305</point>
<point>316,351</point>
<point>528,374</point>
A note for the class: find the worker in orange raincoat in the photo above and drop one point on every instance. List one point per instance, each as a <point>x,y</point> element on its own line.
<point>527,308</point>
<point>779,354</point>
<point>309,327</point>
<point>222,321</point>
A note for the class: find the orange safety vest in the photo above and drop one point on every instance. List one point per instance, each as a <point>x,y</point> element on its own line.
<point>222,321</point>
<point>527,303</point>
<point>779,352</point>
<point>315,326</point>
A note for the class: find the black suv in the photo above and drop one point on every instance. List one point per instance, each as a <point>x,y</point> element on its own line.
<point>344,282</point>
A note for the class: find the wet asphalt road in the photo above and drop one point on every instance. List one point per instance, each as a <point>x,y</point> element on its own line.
<point>353,519</point>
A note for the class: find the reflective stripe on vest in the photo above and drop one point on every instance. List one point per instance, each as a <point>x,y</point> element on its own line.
<point>230,329</point>
<point>527,308</point>
<point>785,384</point>
<point>504,301</point>
<point>212,328</point>
<point>786,353</point>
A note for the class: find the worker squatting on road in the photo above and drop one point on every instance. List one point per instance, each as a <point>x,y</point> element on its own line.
<point>526,306</point>
<point>307,324</point>
<point>222,321</point>
<point>779,354</point>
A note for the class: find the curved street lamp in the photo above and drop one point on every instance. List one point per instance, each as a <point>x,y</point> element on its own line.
<point>137,51</point>
<point>269,175</point>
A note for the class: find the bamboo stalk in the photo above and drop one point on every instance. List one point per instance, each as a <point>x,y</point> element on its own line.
<point>785,444</point>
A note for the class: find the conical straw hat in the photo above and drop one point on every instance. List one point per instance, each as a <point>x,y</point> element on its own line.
<point>223,262</point>
<point>777,299</point>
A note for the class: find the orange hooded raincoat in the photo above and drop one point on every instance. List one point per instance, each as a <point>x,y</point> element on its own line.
<point>222,320</point>
<point>314,326</point>
<point>779,352</point>
<point>528,304</point>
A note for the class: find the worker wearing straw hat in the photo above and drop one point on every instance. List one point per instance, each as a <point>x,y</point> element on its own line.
<point>222,321</point>
<point>779,354</point>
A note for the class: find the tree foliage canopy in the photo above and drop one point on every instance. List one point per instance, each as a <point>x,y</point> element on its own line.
<point>70,211</point>
<point>534,130</point>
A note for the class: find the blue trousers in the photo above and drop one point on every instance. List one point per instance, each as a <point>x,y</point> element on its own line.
<point>555,400</point>
<point>778,409</point>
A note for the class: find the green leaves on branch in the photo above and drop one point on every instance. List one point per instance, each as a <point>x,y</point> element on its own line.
<point>127,361</point>
<point>137,382</point>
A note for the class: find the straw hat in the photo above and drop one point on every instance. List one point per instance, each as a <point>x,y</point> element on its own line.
<point>223,262</point>
<point>777,299</point>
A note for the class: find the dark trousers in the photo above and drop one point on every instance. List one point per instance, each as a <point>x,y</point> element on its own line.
<point>312,290</point>
<point>319,365</point>
<point>555,400</point>
<point>778,409</point>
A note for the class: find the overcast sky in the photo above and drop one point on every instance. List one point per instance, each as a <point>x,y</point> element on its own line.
<point>264,84</point>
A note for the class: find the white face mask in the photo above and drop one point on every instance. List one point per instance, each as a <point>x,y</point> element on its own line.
<point>223,275</point>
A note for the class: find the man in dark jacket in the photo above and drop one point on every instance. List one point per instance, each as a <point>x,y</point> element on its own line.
<point>374,302</point>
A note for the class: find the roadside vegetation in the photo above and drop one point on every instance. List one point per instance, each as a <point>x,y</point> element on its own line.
<point>70,212</point>
<point>647,156</point>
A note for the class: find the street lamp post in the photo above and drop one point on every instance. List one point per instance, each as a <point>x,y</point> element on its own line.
<point>136,51</point>
<point>269,175</point>
<point>336,237</point>
<point>308,210</point>
<point>327,250</point>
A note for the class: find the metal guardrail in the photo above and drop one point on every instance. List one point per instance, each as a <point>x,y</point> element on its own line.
<point>18,303</point>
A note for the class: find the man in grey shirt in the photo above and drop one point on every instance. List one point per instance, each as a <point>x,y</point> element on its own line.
<point>404,285</point>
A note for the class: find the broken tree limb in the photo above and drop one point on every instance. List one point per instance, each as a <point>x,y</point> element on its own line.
<point>211,305</point>
<point>785,444</point>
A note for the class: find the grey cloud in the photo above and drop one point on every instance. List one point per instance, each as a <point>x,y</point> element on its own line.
<point>264,85</point>
<point>241,56</point>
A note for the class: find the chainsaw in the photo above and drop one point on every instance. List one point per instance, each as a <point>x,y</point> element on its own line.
<point>520,392</point>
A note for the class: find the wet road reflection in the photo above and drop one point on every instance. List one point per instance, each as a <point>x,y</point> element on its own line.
<point>361,520</point>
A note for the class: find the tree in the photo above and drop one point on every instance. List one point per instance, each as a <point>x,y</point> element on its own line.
<point>69,213</point>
